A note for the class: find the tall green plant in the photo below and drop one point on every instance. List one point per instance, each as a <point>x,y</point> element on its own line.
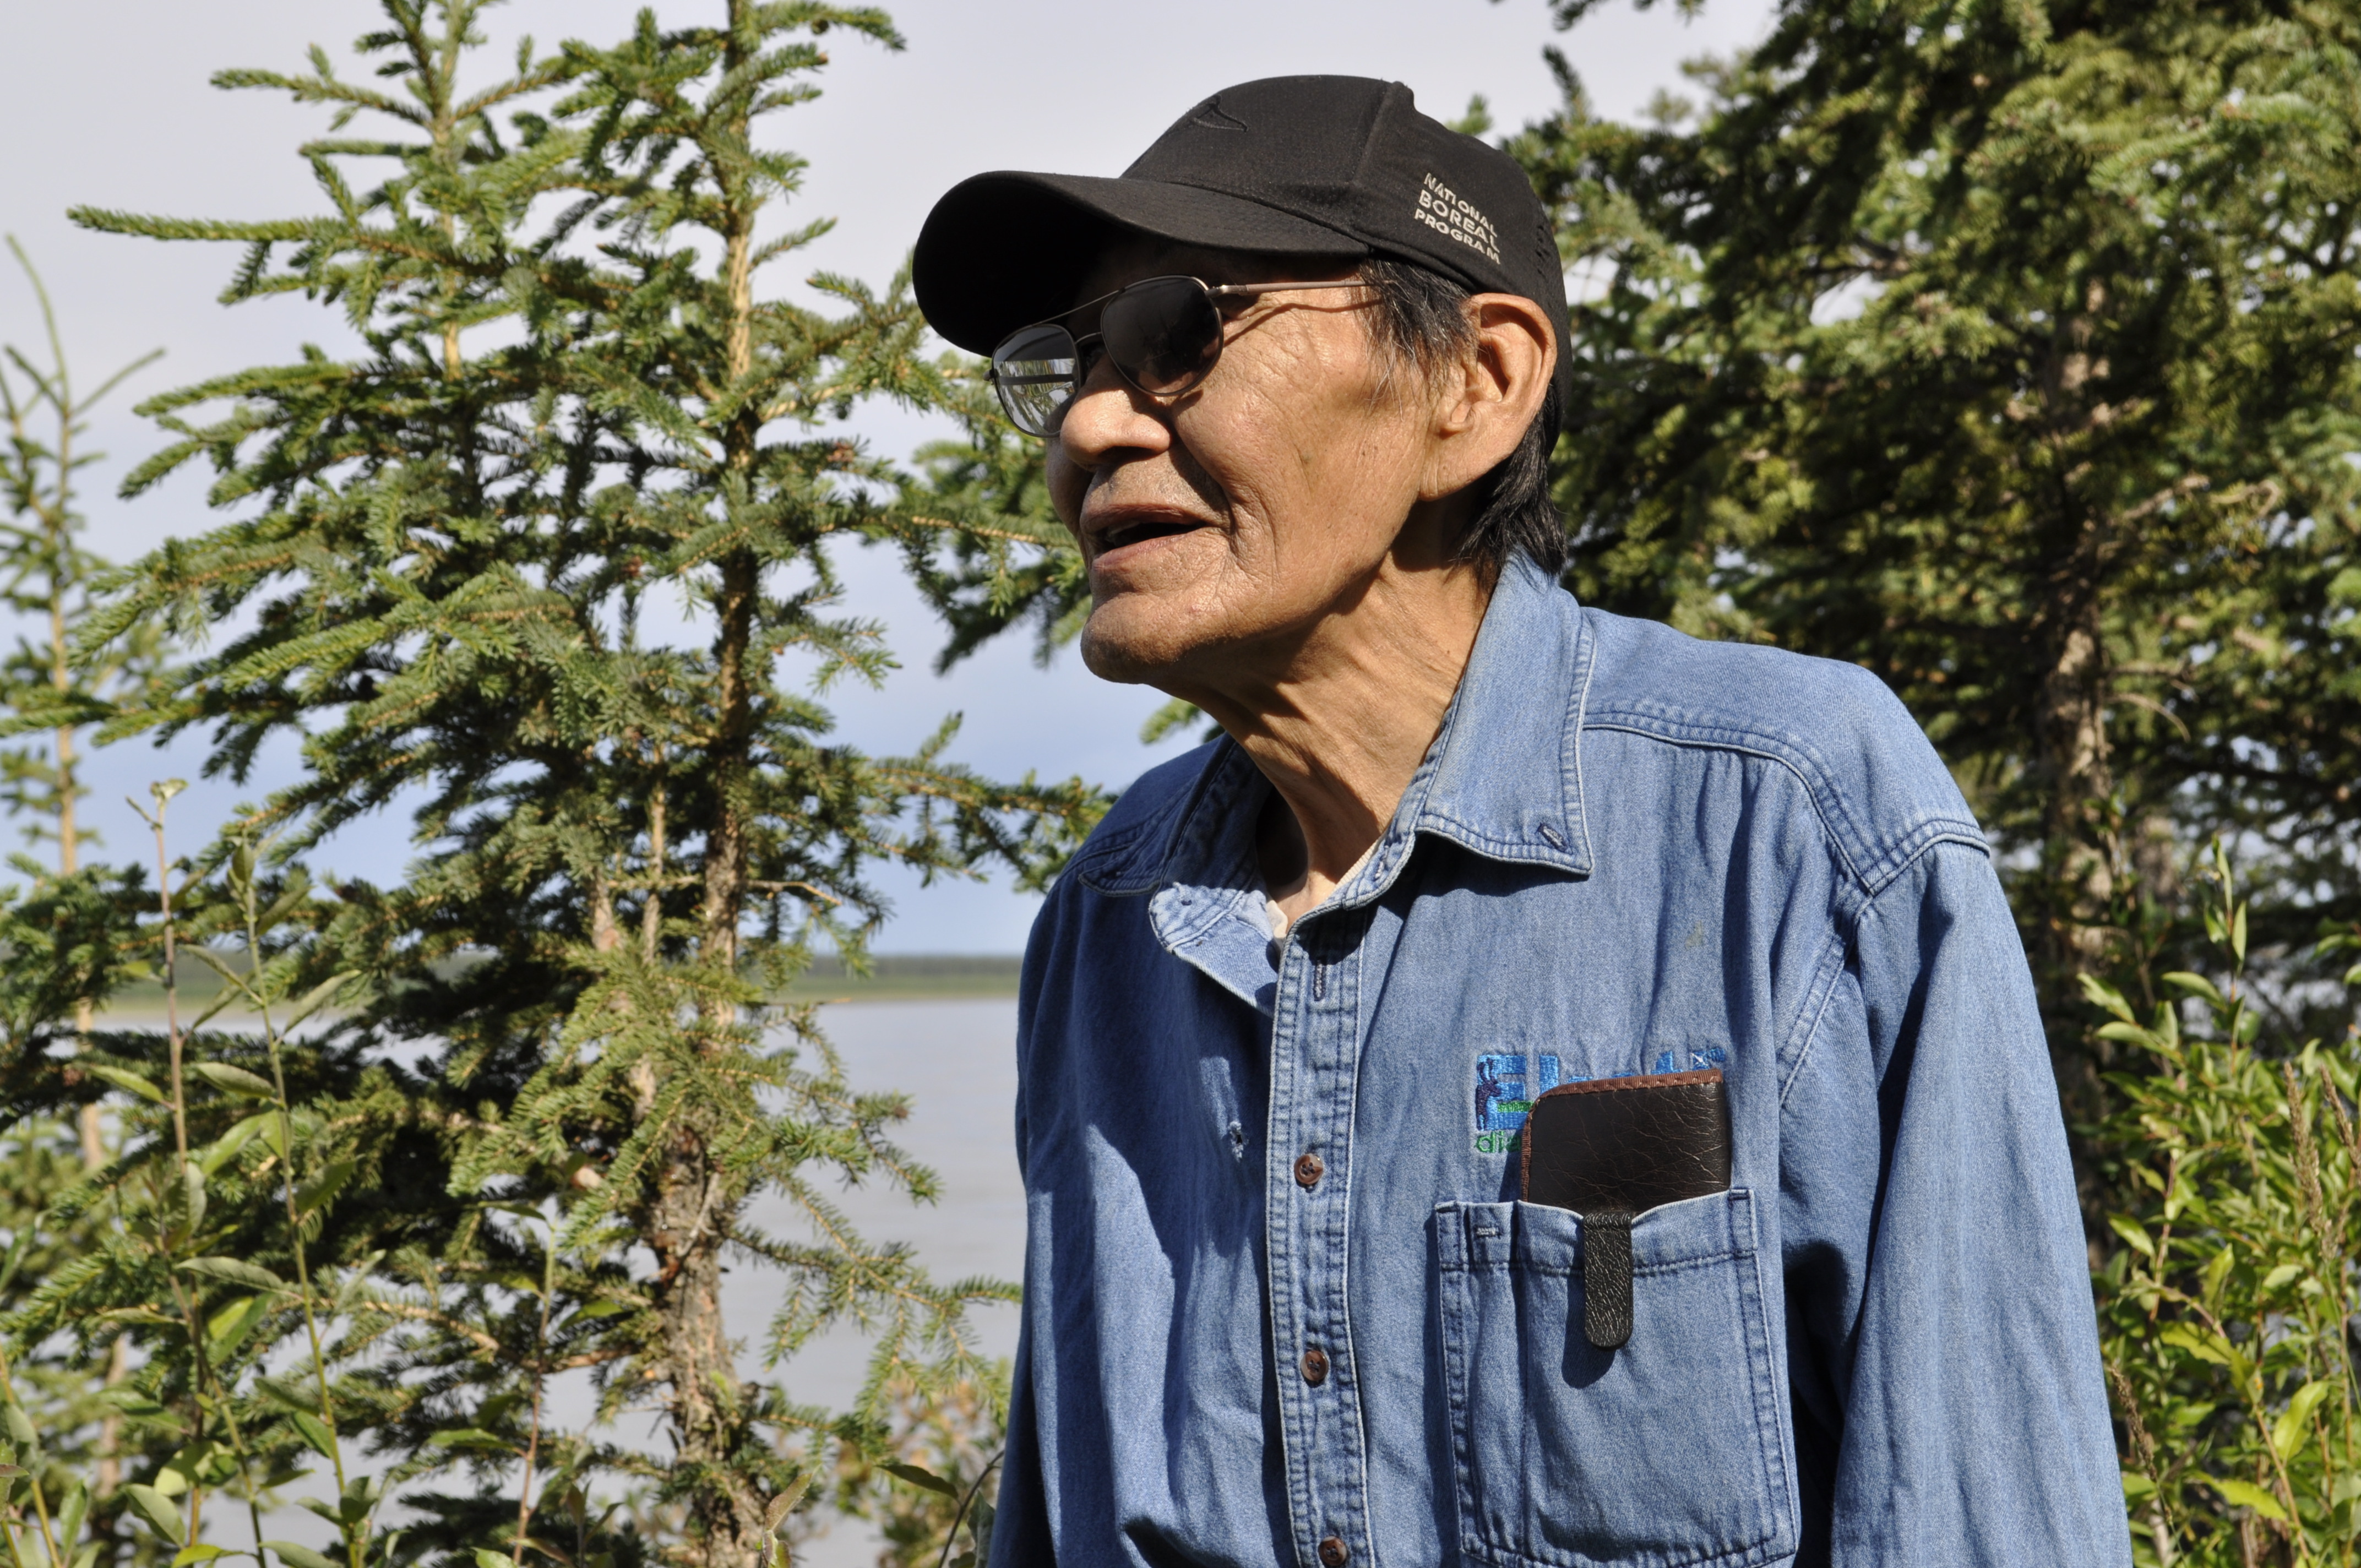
<point>548,563</point>
<point>2226,1305</point>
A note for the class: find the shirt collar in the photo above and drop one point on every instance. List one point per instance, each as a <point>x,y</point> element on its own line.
<point>1503,779</point>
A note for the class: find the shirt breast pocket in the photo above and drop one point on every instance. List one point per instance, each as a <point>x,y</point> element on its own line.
<point>1671,1451</point>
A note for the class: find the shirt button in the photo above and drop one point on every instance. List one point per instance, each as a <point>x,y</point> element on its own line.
<point>1309,1170</point>
<point>1332,1552</point>
<point>1315,1367</point>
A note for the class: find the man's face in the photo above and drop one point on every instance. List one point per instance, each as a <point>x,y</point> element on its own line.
<point>1223,526</point>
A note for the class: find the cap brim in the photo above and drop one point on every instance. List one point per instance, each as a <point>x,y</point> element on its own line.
<point>1003,249</point>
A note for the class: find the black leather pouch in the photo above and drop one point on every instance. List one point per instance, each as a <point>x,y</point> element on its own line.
<point>1611,1149</point>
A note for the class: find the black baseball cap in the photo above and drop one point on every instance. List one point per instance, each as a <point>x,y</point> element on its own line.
<point>1340,167</point>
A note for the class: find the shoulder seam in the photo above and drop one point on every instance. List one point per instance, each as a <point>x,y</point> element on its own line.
<point>1870,867</point>
<point>1843,938</point>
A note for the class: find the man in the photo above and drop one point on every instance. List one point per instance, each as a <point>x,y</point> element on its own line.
<point>1469,854</point>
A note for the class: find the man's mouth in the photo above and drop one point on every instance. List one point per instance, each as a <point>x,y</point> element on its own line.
<point>1140,530</point>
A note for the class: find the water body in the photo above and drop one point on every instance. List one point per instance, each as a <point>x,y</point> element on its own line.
<point>957,1060</point>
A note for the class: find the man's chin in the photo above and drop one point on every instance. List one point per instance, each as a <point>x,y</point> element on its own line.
<point>1136,641</point>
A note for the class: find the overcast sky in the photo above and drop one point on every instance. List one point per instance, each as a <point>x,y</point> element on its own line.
<point>107,103</point>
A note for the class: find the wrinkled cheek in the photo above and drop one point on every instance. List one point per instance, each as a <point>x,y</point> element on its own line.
<point>1068,485</point>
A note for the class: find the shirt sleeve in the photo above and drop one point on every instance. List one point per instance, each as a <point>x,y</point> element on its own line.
<point>1021,1537</point>
<point>1943,1347</point>
<point>1020,1521</point>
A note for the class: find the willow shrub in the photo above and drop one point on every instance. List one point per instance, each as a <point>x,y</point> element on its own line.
<point>2225,1312</point>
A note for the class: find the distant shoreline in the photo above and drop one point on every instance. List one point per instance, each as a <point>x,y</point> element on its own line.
<point>902,977</point>
<point>898,977</point>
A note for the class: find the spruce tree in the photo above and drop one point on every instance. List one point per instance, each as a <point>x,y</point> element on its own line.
<point>2007,351</point>
<point>548,563</point>
<point>64,931</point>
<point>47,575</point>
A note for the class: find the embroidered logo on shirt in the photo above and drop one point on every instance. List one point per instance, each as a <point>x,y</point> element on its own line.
<point>1508,1082</point>
<point>1505,1093</point>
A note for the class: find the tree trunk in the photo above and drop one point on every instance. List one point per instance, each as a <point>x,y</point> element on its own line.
<point>709,1402</point>
<point>708,1416</point>
<point>2078,858</point>
<point>2074,754</point>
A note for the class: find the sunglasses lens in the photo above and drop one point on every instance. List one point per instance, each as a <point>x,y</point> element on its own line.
<point>1033,370</point>
<point>1163,334</point>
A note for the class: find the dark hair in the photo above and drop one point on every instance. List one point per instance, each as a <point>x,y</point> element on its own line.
<point>1422,320</point>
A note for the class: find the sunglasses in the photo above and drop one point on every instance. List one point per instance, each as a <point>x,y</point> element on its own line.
<point>1162,335</point>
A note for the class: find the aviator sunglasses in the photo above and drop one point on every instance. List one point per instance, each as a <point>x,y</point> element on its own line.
<point>1162,335</point>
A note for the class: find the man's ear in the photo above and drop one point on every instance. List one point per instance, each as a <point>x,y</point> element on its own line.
<point>1484,405</point>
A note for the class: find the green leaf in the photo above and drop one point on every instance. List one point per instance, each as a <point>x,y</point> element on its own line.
<point>123,1078</point>
<point>141,1410</point>
<point>213,1009</point>
<point>213,961</point>
<point>317,997</point>
<point>321,1189</point>
<point>236,1271</point>
<point>202,1552</point>
<point>471,1437</point>
<point>2100,993</point>
<point>2137,1238</point>
<point>295,1554</point>
<point>315,1433</point>
<point>192,1200</point>
<point>158,1511</point>
<point>2216,1273</point>
<point>20,1430</point>
<point>70,1510</point>
<point>222,1149</point>
<point>2280,1276</point>
<point>235,1079</point>
<point>2201,1344</point>
<point>360,1495</point>
<point>2246,1495</point>
<point>2238,933</point>
<point>2137,1485</point>
<point>2196,984</point>
<point>784,1503</point>
<point>488,1558</point>
<point>915,1476</point>
<point>225,1328</point>
<point>2293,1426</point>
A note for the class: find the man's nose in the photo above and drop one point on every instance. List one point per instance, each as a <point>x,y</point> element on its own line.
<point>1109,415</point>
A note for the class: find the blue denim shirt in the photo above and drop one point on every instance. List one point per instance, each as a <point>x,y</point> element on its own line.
<point>1627,851</point>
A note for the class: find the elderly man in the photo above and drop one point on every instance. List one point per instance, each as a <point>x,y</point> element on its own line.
<point>1539,1090</point>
